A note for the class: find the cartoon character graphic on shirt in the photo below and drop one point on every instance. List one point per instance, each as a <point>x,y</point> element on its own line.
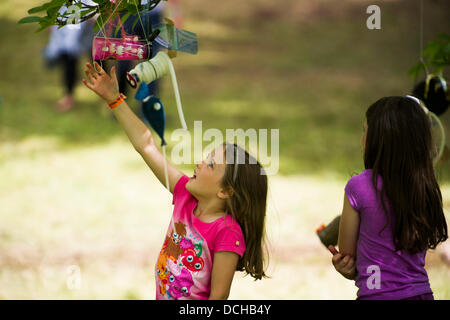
<point>192,261</point>
<point>186,243</point>
<point>162,272</point>
<point>173,248</point>
<point>180,281</point>
<point>179,262</point>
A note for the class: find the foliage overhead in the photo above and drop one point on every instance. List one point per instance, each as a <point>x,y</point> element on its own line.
<point>63,12</point>
<point>436,57</point>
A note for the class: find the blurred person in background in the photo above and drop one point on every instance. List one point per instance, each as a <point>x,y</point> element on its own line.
<point>65,48</point>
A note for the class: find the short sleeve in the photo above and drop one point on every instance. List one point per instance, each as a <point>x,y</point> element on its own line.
<point>352,192</point>
<point>180,188</point>
<point>230,238</point>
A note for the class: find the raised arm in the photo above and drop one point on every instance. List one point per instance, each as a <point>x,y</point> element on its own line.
<point>139,134</point>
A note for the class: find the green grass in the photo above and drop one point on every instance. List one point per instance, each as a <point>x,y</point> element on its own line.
<point>74,192</point>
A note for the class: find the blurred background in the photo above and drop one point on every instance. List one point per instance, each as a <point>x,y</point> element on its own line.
<point>81,215</point>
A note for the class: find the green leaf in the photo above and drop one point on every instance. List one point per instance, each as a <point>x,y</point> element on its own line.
<point>132,8</point>
<point>52,12</point>
<point>101,21</point>
<point>29,20</point>
<point>136,20</point>
<point>416,70</point>
<point>444,36</point>
<point>44,23</point>
<point>122,20</point>
<point>57,3</point>
<point>36,9</point>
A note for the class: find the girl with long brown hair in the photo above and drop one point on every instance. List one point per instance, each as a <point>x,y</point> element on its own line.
<point>393,210</point>
<point>219,213</point>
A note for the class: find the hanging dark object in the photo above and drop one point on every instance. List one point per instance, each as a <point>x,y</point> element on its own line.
<point>433,91</point>
<point>153,110</point>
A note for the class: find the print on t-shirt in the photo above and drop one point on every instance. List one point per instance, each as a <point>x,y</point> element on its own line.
<point>184,260</point>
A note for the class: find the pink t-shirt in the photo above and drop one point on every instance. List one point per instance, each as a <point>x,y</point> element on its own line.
<point>184,266</point>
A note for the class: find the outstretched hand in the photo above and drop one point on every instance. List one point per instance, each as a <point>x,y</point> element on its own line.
<point>101,83</point>
<point>344,264</point>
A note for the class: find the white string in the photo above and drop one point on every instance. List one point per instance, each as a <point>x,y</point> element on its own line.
<point>172,76</point>
<point>155,68</point>
<point>143,29</point>
<point>166,172</point>
<point>236,165</point>
<point>177,93</point>
<point>421,39</point>
<point>178,100</point>
<point>101,30</point>
<point>166,175</point>
<point>104,35</point>
<point>100,27</point>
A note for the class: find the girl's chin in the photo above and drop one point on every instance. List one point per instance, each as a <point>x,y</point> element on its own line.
<point>190,187</point>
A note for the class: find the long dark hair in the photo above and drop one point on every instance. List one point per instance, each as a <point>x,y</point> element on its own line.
<point>399,149</point>
<point>248,184</point>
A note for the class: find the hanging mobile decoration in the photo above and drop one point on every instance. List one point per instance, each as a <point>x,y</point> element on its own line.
<point>434,93</point>
<point>153,110</point>
<point>113,42</point>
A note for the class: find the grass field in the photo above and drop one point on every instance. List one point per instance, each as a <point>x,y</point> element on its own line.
<point>73,192</point>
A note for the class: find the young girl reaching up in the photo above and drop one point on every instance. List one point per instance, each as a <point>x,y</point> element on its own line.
<point>219,213</point>
<point>393,210</point>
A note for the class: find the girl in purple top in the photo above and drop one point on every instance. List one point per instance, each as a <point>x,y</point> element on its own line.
<point>393,210</point>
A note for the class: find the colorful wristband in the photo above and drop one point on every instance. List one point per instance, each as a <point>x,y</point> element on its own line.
<point>116,102</point>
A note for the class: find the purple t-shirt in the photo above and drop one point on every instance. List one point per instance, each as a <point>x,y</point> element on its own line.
<point>383,272</point>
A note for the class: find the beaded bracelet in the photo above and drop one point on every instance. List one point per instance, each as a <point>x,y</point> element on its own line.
<point>116,102</point>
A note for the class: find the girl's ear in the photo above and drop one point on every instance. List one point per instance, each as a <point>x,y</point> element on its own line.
<point>225,193</point>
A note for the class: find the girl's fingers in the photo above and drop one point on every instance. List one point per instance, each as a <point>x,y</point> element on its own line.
<point>87,84</point>
<point>350,265</point>
<point>113,72</point>
<point>332,249</point>
<point>98,68</point>
<point>342,265</point>
<point>93,73</point>
<point>351,262</point>
<point>89,76</point>
<point>337,259</point>
<point>349,268</point>
<point>344,262</point>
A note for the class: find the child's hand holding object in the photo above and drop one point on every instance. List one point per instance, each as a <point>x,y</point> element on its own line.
<point>344,264</point>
